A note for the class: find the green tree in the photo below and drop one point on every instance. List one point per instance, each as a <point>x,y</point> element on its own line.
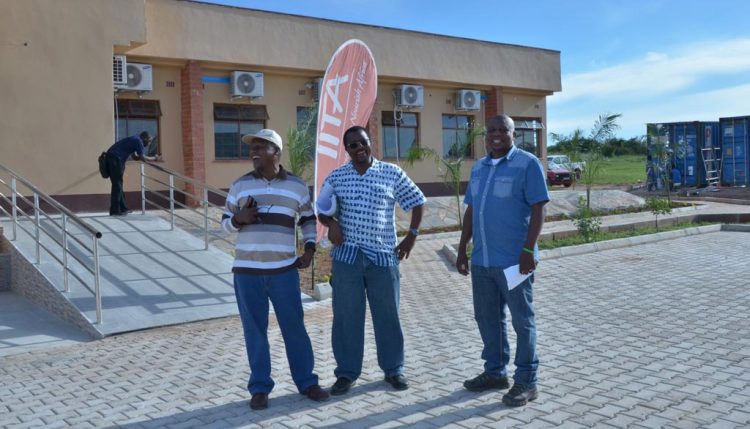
<point>300,144</point>
<point>590,148</point>
<point>662,158</point>
<point>659,206</point>
<point>450,166</point>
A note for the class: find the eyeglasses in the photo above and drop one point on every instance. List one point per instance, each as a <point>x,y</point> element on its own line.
<point>357,143</point>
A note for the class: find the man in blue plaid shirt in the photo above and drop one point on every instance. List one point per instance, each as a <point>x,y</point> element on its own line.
<point>366,258</point>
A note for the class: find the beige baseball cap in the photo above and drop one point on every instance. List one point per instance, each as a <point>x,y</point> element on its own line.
<point>270,136</point>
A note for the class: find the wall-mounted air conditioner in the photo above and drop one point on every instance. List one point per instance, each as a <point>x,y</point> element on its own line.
<point>246,84</point>
<point>408,95</point>
<point>119,71</point>
<point>139,77</point>
<point>468,99</point>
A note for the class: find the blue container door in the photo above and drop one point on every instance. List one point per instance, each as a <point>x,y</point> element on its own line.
<point>734,160</point>
<point>685,153</point>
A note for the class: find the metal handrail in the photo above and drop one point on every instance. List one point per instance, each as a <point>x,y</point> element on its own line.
<point>65,216</point>
<point>202,198</point>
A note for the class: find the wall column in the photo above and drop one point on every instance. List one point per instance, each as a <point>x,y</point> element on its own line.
<point>493,106</point>
<point>193,146</point>
<point>373,129</point>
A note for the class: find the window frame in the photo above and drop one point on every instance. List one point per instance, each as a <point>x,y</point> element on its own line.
<point>125,110</point>
<point>534,125</point>
<point>244,114</point>
<point>388,115</point>
<point>470,120</point>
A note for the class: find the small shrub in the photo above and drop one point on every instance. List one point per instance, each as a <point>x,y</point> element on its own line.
<point>659,206</point>
<point>586,221</point>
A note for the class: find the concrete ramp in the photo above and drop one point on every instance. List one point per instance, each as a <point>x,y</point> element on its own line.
<point>149,276</point>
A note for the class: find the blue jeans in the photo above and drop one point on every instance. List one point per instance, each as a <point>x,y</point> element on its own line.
<point>491,295</point>
<point>352,285</point>
<point>253,292</point>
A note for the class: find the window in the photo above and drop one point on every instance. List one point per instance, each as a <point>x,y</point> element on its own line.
<point>134,116</point>
<point>231,122</point>
<point>527,135</point>
<point>397,145</point>
<point>456,129</point>
<point>307,119</point>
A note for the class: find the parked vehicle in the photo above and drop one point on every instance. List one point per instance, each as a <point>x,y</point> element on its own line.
<point>558,175</point>
<point>563,160</point>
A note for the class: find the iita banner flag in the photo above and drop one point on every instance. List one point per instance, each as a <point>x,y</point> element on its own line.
<point>347,96</point>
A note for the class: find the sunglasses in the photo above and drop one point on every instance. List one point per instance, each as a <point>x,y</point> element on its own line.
<point>355,144</point>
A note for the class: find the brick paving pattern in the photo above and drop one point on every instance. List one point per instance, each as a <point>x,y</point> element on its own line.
<point>656,335</point>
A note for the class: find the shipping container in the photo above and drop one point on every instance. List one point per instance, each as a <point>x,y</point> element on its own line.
<point>734,147</point>
<point>683,142</point>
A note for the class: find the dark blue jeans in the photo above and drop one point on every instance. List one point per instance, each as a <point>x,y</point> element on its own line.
<point>117,195</point>
<point>353,285</point>
<point>491,296</point>
<point>253,293</point>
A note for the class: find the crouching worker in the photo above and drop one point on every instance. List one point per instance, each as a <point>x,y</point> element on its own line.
<point>262,206</point>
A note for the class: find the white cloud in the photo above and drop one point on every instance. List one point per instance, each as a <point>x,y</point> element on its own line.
<point>658,73</point>
<point>698,106</point>
<point>696,82</point>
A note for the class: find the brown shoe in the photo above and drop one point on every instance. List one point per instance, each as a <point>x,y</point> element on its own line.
<point>259,401</point>
<point>315,393</point>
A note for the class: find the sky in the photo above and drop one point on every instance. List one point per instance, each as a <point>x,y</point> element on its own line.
<point>649,60</point>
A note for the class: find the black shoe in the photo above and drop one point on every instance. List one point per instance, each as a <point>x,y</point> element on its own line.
<point>486,381</point>
<point>341,386</point>
<point>520,394</point>
<point>398,381</point>
<point>259,401</point>
<point>119,214</point>
<point>315,393</point>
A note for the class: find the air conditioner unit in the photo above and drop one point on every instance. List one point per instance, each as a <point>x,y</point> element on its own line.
<point>316,87</point>
<point>410,95</point>
<point>119,72</point>
<point>468,99</point>
<point>139,77</point>
<point>246,84</point>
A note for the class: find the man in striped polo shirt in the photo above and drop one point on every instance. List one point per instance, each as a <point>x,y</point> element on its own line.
<point>262,206</point>
<point>366,257</point>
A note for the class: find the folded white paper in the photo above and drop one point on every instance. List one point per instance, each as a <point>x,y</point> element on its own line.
<point>514,277</point>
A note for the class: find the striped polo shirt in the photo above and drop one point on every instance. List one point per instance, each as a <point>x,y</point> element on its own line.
<point>367,210</point>
<point>268,246</point>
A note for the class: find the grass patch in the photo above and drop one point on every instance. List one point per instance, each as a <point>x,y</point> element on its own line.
<point>622,170</point>
<point>603,236</point>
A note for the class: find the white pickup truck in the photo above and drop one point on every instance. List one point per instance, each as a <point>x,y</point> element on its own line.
<point>574,167</point>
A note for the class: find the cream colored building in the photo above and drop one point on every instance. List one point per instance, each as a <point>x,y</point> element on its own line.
<point>57,109</point>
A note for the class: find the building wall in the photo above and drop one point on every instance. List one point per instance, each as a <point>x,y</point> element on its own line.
<point>241,36</point>
<point>56,99</point>
<point>56,105</point>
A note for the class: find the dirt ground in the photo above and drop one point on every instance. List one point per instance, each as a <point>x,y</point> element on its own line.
<point>322,271</point>
<point>740,194</point>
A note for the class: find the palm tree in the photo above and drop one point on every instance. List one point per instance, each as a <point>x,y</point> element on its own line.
<point>300,144</point>
<point>604,128</point>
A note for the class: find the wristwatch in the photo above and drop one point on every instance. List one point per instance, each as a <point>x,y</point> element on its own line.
<point>414,231</point>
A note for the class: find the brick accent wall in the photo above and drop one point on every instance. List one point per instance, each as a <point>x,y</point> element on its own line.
<point>493,106</point>
<point>193,146</point>
<point>373,129</point>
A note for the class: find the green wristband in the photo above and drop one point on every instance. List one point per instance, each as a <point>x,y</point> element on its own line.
<point>527,250</point>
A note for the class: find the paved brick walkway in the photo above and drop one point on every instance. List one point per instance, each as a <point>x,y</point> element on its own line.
<point>656,335</point>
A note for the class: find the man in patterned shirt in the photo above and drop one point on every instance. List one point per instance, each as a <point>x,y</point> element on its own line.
<point>366,257</point>
<point>261,206</point>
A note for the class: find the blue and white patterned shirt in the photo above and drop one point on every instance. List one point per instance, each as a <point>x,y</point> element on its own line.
<point>367,210</point>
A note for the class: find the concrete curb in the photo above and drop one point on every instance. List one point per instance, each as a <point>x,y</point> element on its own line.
<point>449,251</point>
